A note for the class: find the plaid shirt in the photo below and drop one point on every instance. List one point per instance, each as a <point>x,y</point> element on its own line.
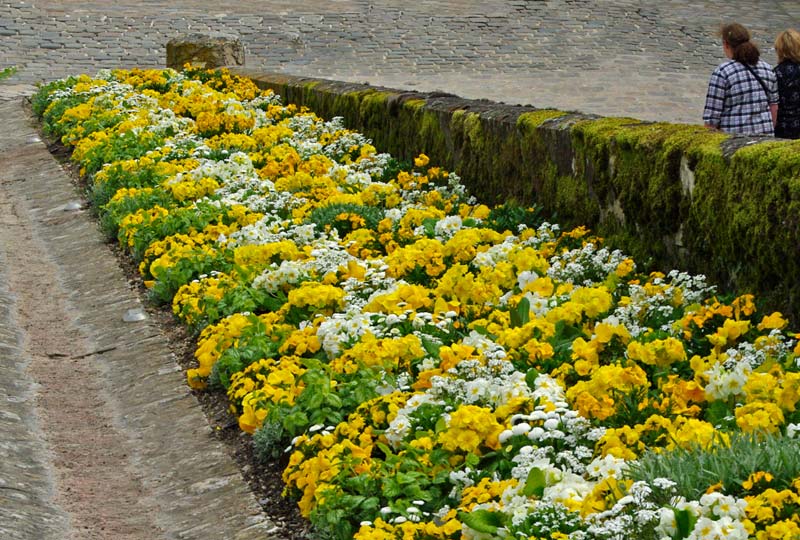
<point>736,102</point>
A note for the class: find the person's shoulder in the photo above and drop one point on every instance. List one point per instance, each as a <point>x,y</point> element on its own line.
<point>764,65</point>
<point>726,67</point>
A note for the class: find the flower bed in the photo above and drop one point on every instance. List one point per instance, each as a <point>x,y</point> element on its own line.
<point>435,368</point>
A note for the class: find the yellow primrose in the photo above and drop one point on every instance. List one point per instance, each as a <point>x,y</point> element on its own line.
<point>729,332</point>
<point>316,295</point>
<point>773,322</point>
<point>759,416</point>
<point>405,297</point>
<point>470,430</point>
<point>659,352</point>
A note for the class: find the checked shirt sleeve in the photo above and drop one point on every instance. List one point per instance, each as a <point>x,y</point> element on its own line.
<point>715,98</point>
<point>772,84</point>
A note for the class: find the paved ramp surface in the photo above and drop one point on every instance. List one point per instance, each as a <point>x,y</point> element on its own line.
<point>100,438</point>
<point>646,59</point>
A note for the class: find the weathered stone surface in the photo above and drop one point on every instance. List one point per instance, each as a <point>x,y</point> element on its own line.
<point>648,60</point>
<point>208,50</point>
<point>193,488</point>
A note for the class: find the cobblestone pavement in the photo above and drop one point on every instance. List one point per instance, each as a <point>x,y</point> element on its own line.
<point>646,59</point>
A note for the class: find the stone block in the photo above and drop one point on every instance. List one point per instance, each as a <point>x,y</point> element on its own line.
<point>209,50</point>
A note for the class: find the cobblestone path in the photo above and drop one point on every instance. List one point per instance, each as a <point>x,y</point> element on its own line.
<point>649,60</point>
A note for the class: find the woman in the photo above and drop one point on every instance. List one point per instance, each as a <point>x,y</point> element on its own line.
<point>743,92</point>
<point>787,47</point>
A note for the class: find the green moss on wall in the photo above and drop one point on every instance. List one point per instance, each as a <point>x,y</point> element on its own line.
<point>670,195</point>
<point>532,120</point>
<point>415,104</point>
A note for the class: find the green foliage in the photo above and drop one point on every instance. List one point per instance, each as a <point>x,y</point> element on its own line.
<point>696,468</point>
<point>252,346</point>
<point>130,144</point>
<point>329,216</point>
<point>509,216</point>
<point>483,521</point>
<point>269,441</point>
<point>7,72</point>
<point>521,315</point>
<point>178,221</point>
<point>112,213</point>
<point>393,168</point>
<point>186,269</point>
<point>535,483</point>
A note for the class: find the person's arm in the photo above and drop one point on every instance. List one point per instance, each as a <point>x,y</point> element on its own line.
<point>774,97</point>
<point>715,101</point>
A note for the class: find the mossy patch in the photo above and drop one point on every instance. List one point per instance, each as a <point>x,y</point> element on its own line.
<point>534,119</point>
<point>671,195</point>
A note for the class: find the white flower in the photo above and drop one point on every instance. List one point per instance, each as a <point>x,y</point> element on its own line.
<point>551,424</point>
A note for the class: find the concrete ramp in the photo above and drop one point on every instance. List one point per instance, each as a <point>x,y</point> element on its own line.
<point>100,438</point>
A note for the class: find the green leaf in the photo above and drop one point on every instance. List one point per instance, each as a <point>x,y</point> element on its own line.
<point>429,224</point>
<point>521,314</point>
<point>441,425</point>
<point>482,521</point>
<point>685,521</point>
<point>530,378</point>
<point>717,411</point>
<point>535,483</point>
<point>333,400</point>
<point>430,347</point>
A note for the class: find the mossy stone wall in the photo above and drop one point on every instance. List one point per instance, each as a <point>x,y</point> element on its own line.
<point>673,196</point>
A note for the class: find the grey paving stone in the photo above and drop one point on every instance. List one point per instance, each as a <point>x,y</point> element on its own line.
<point>527,42</point>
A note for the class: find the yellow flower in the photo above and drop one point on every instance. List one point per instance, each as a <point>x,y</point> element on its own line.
<point>759,416</point>
<point>659,352</point>
<point>470,429</point>
<point>421,160</point>
<point>782,530</point>
<point>624,268</point>
<point>773,322</point>
<point>756,478</point>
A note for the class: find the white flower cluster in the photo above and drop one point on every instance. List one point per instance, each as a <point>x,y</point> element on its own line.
<point>496,253</point>
<point>587,265</point>
<point>277,277</point>
<point>343,329</point>
<point>719,517</point>
<point>401,425</point>
<point>491,385</point>
<point>724,382</point>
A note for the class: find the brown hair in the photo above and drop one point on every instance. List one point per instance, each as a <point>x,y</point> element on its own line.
<point>738,39</point>
<point>787,46</point>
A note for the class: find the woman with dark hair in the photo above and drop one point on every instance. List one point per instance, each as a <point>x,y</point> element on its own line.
<point>787,47</point>
<point>743,91</point>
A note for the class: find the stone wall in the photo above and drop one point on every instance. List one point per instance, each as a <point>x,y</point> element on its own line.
<point>673,196</point>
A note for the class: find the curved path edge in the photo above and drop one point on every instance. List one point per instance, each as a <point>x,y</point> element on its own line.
<point>187,484</point>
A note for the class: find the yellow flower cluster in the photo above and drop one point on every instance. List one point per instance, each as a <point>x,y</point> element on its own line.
<point>471,430</point>
<point>264,382</point>
<point>773,512</point>
<point>386,353</point>
<point>318,296</point>
<point>212,341</point>
<point>191,189</point>
<point>443,529</point>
